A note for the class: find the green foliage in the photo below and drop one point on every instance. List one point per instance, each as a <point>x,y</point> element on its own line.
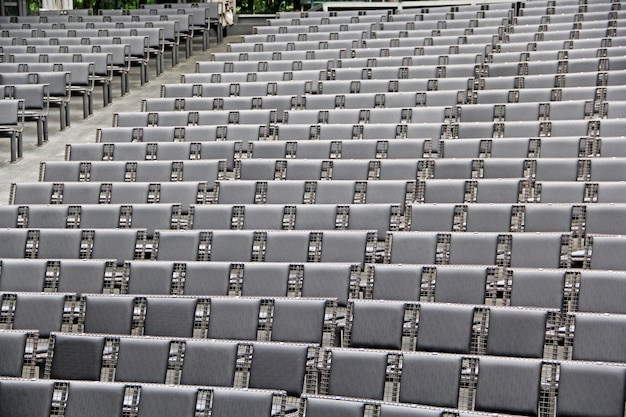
<point>263,6</point>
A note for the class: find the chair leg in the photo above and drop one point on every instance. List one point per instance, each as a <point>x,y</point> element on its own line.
<point>188,47</point>
<point>45,130</point>
<point>143,71</point>
<point>174,55</point>
<point>124,83</point>
<point>85,105</point>
<point>160,63</point>
<point>62,116</point>
<point>40,129</point>
<point>67,114</point>
<point>13,140</point>
<point>20,147</point>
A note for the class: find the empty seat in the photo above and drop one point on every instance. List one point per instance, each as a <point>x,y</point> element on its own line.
<point>324,406</point>
<point>102,400</point>
<point>14,347</point>
<point>445,328</point>
<point>430,380</point>
<point>108,314</point>
<point>396,282</point>
<point>590,390</point>
<point>279,366</point>
<point>209,363</point>
<point>517,332</point>
<point>77,357</point>
<point>23,275</point>
<point>347,366</point>
<point>599,292</point>
<point>207,278</point>
<point>236,319</point>
<point>510,386</point>
<point>172,317</point>
<point>377,325</point>
<point>142,360</point>
<point>164,401</point>
<point>599,338</point>
<point>26,398</point>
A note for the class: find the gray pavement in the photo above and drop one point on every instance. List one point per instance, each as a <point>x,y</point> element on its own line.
<point>84,130</point>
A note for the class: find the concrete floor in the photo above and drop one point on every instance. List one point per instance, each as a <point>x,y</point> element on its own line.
<point>84,130</point>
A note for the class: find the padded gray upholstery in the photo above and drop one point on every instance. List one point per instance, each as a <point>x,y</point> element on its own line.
<point>209,363</point>
<point>77,357</point>
<point>509,386</point>
<point>109,314</point>
<point>431,380</point>
<point>142,360</point>
<point>162,401</point>
<point>173,317</point>
<point>278,366</point>
<point>367,367</point>
<point>445,327</point>
<point>377,325</point>
<point>516,332</point>
<point>96,400</point>
<point>591,390</point>
<point>234,318</point>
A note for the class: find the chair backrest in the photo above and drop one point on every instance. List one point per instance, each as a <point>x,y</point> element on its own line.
<point>150,277</point>
<point>236,319</point>
<point>347,366</point>
<point>599,292</point>
<point>230,403</point>
<point>74,356</point>
<point>265,279</point>
<point>431,379</point>
<point>107,314</point>
<point>396,282</point>
<point>45,312</point>
<point>26,398</point>
<point>23,275</point>
<point>534,288</point>
<point>508,385</point>
<point>325,406</point>
<point>303,320</point>
<point>599,338</point>
<point>207,278</point>
<point>103,400</point>
<point>170,317</point>
<point>209,363</point>
<point>10,113</point>
<point>445,327</point>
<point>376,324</point>
<point>162,401</point>
<point>517,332</point>
<point>14,350</point>
<point>582,389</point>
<point>279,366</point>
<point>142,360</point>
<point>465,285</point>
<point>83,276</point>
